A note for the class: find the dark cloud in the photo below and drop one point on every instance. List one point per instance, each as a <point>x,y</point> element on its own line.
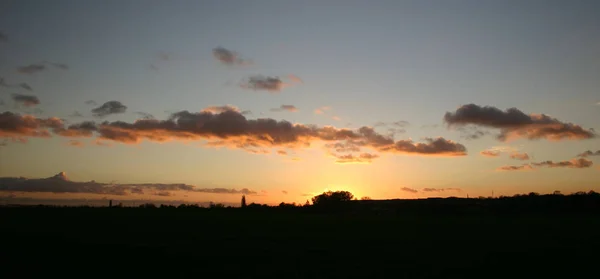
<point>289,108</point>
<point>519,156</point>
<point>441,189</point>
<point>471,132</point>
<point>410,190</point>
<point>83,129</point>
<point>110,107</point>
<point>3,37</point>
<point>229,57</point>
<point>26,100</point>
<point>21,85</point>
<point>282,152</point>
<point>356,159</point>
<point>513,123</point>
<point>589,153</point>
<point>573,163</point>
<point>16,126</point>
<point>61,184</point>
<point>284,192</point>
<point>221,109</point>
<point>31,69</point>
<point>272,84</point>
<point>437,147</point>
<point>91,103</point>
<point>163,193</point>
<point>144,115</point>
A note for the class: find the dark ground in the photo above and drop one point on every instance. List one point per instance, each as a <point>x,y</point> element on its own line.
<point>233,243</point>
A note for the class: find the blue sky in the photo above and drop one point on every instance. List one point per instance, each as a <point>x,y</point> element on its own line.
<point>369,61</point>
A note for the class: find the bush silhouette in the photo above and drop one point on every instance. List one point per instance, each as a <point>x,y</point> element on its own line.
<point>332,198</point>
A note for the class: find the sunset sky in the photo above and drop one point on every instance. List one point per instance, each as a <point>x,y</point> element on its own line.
<point>201,101</point>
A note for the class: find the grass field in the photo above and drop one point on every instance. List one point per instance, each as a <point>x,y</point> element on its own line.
<point>232,243</point>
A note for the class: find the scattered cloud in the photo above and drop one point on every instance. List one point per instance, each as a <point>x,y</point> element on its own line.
<point>322,110</point>
<point>25,86</point>
<point>110,107</point>
<point>410,190</point>
<point>220,109</point>
<point>21,85</point>
<point>363,158</point>
<point>60,183</point>
<point>580,163</point>
<point>26,100</point>
<point>336,118</point>
<point>76,114</point>
<point>514,124</point>
<point>282,152</point>
<point>31,69</point>
<point>525,167</point>
<point>290,108</point>
<point>471,132</point>
<point>272,84</point>
<point>490,153</point>
<point>75,143</point>
<point>144,115</point>
<point>438,146</point>
<point>589,153</point>
<point>441,189</point>
<point>61,66</point>
<point>91,103</point>
<point>573,163</point>
<point>295,79</point>
<point>519,156</point>
<point>229,57</point>
<point>284,192</point>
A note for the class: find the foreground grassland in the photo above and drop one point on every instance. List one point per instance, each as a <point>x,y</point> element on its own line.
<point>234,243</point>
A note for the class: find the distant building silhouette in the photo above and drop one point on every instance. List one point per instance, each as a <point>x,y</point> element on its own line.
<point>243,201</point>
<point>110,203</point>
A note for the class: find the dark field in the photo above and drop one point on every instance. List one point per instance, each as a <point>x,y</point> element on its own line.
<point>233,243</point>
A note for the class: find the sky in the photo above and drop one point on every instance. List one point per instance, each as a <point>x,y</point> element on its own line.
<point>198,101</point>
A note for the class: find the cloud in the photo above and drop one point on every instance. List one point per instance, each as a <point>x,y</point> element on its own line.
<point>290,108</point>
<point>284,192</point>
<point>57,65</point>
<point>441,189</point>
<point>3,37</point>
<point>519,156</point>
<point>16,126</point>
<point>258,82</point>
<point>75,143</point>
<point>589,153</point>
<point>282,152</point>
<point>163,193</point>
<point>470,132</point>
<point>322,110</point>
<point>26,100</point>
<point>295,79</point>
<point>144,115</point>
<point>220,109</point>
<point>60,183</point>
<point>580,163</point>
<point>110,107</point>
<point>525,167</point>
<point>76,114</point>
<point>31,69</point>
<point>229,57</point>
<point>514,124</point>
<point>227,127</point>
<point>410,190</point>
<point>490,153</point>
<point>21,85</point>
<point>336,118</point>
<point>91,103</point>
<point>573,163</point>
<point>438,146</point>
<point>363,158</point>
<point>25,86</point>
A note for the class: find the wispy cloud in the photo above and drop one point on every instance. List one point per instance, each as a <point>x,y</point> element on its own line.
<point>60,183</point>
<point>525,167</point>
<point>589,153</point>
<point>91,103</point>
<point>75,143</point>
<point>26,100</point>
<point>271,84</point>
<point>144,115</point>
<point>363,158</point>
<point>410,190</point>
<point>229,57</point>
<point>39,67</point>
<point>580,163</point>
<point>441,189</point>
<point>290,108</point>
<point>284,192</point>
<point>513,123</point>
<point>519,156</point>
<point>322,110</point>
<point>110,107</point>
<point>21,85</point>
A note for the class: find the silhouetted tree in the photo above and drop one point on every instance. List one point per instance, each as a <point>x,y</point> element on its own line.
<point>332,198</point>
<point>365,199</point>
<point>243,201</point>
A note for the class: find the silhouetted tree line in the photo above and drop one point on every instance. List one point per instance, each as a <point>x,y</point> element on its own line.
<point>345,202</point>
